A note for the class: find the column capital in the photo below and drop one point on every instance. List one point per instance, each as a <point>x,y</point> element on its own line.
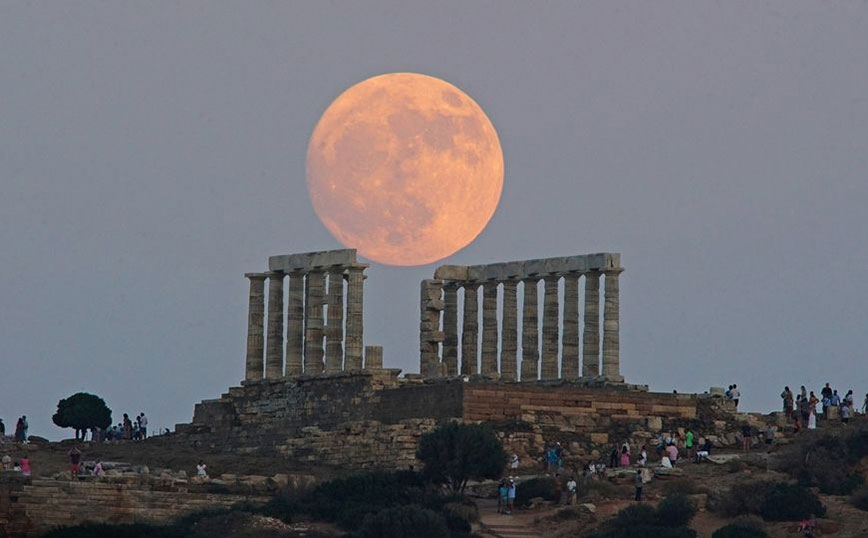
<point>613,271</point>
<point>275,274</point>
<point>256,276</point>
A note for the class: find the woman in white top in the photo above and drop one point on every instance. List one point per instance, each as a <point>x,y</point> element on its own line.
<point>201,469</point>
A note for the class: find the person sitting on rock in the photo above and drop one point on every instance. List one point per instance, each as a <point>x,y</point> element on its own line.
<point>202,470</point>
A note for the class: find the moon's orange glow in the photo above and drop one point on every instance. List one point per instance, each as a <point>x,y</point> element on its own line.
<point>404,167</point>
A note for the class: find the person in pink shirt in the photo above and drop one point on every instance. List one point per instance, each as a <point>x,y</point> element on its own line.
<point>672,453</point>
<point>25,465</point>
<point>625,457</point>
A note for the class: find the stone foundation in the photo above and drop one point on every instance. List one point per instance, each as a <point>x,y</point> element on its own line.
<point>33,507</point>
<point>364,420</point>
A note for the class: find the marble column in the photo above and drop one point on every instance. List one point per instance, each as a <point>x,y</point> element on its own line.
<point>611,329</point>
<point>373,357</point>
<point>295,324</point>
<point>355,330</point>
<point>489,328</point>
<point>570,336</point>
<point>509,332</point>
<point>450,328</point>
<point>470,329</point>
<point>255,327</point>
<point>313,323</point>
<point>430,336</point>
<point>591,335</point>
<point>529,335</point>
<point>334,361</point>
<point>549,368</point>
<point>274,338</point>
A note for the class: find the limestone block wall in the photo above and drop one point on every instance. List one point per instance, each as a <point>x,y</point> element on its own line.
<point>365,420</point>
<point>31,508</point>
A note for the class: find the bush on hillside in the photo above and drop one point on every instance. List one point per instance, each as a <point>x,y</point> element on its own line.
<point>454,453</point>
<point>745,497</point>
<point>790,502</point>
<point>545,487</point>
<point>828,461</point>
<point>669,520</point>
<point>737,531</point>
<point>860,499</point>
<point>403,521</point>
<point>675,511</point>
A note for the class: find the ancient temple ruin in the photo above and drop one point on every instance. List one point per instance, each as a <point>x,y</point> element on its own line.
<point>323,332</point>
<point>440,333</point>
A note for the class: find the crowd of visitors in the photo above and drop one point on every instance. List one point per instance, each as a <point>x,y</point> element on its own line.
<point>802,408</point>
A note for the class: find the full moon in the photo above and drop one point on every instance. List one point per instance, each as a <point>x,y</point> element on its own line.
<point>404,167</point>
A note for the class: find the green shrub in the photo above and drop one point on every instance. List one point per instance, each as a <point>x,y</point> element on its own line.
<point>860,499</point>
<point>675,511</point>
<point>790,502</point>
<point>635,515</point>
<point>403,521</point>
<point>455,453</point>
<point>545,487</point>
<point>745,497</point>
<point>643,521</point>
<point>828,461</point>
<point>737,531</point>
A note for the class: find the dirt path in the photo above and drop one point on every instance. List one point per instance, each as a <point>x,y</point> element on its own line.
<point>503,525</point>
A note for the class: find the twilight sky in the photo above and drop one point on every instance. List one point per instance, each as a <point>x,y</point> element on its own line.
<point>151,153</point>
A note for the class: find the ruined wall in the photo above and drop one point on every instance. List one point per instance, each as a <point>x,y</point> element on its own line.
<point>366,420</point>
<point>30,508</point>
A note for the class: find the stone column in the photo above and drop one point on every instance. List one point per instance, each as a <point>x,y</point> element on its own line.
<point>570,337</point>
<point>450,328</point>
<point>430,335</point>
<point>335,327</point>
<point>489,328</point>
<point>591,336</point>
<point>373,357</point>
<point>471,327</point>
<point>274,341</point>
<point>313,323</point>
<point>509,332</point>
<point>611,329</point>
<point>255,327</point>
<point>529,336</point>
<point>295,324</point>
<point>355,330</point>
<point>550,328</point>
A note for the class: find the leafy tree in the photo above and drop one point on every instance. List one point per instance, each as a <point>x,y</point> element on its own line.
<point>790,502</point>
<point>401,521</point>
<point>455,453</point>
<point>82,411</point>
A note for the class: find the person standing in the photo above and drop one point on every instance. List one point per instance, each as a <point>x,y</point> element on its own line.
<point>845,414</point>
<point>625,457</point>
<point>689,441</point>
<point>502,496</point>
<point>2,430</point>
<point>510,496</point>
<point>865,405</point>
<point>128,427</point>
<point>643,457</point>
<point>571,491</point>
<point>812,412</point>
<point>672,453</point>
<point>745,437</point>
<point>98,469</point>
<point>787,397</point>
<point>513,464</point>
<point>639,484</point>
<point>75,462</point>
<point>19,431</point>
<point>735,394</point>
<point>24,426</point>
<point>835,400</point>
<point>826,392</point>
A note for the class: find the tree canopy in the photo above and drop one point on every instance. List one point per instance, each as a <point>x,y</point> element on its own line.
<point>454,453</point>
<point>81,411</point>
